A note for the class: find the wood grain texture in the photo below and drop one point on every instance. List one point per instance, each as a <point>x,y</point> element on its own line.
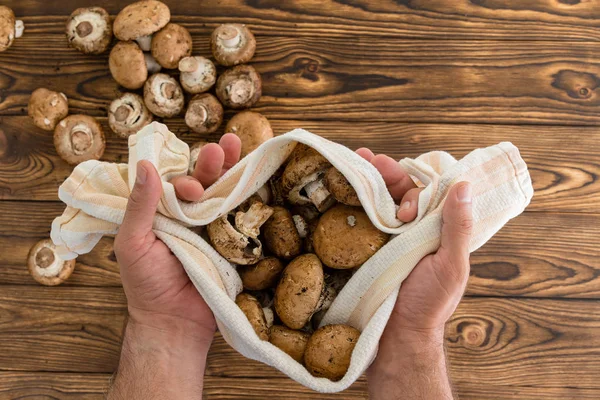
<point>55,385</point>
<point>356,78</point>
<point>432,19</point>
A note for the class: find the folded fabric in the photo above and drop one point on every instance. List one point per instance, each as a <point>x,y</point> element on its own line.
<point>96,195</point>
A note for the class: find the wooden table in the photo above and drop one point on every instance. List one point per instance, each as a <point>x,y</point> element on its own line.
<point>402,77</point>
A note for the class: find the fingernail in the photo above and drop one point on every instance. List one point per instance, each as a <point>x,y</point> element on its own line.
<point>141,174</point>
<point>405,206</point>
<point>465,193</point>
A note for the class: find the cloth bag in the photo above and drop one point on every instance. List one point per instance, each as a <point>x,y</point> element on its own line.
<point>96,196</point>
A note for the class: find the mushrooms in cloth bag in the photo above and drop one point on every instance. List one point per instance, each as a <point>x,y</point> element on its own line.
<point>281,235</point>
<point>79,138</point>
<point>329,350</point>
<point>239,87</point>
<point>197,74</point>
<point>255,314</point>
<point>291,341</point>
<point>170,45</point>
<point>252,128</point>
<point>46,108</point>
<point>262,275</point>
<point>232,44</point>
<point>128,114</point>
<point>89,30</point>
<point>129,65</point>
<point>46,267</point>
<point>163,95</point>
<point>340,188</point>
<point>204,113</point>
<point>139,20</point>
<point>10,28</point>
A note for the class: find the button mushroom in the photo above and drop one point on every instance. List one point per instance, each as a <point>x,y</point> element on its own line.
<point>291,341</point>
<point>127,65</point>
<point>45,266</point>
<point>194,153</point>
<point>139,20</point>
<point>9,28</point>
<point>170,45</point>
<point>299,291</point>
<point>89,30</point>
<point>204,113</point>
<point>346,238</point>
<point>255,314</point>
<point>79,138</point>
<point>280,234</point>
<point>128,114</point>
<point>334,282</point>
<point>163,95</point>
<point>47,108</point>
<point>340,188</point>
<point>252,128</point>
<point>198,74</point>
<point>263,275</point>
<point>239,87</point>
<point>329,350</point>
<point>232,44</point>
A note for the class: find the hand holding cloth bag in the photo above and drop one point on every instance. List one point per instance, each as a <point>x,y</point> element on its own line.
<point>96,196</point>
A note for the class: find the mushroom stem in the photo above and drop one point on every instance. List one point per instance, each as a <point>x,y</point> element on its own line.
<point>240,90</point>
<point>123,112</point>
<point>167,90</point>
<point>318,194</point>
<point>301,225</point>
<point>46,263</point>
<point>145,42</point>
<point>151,64</point>
<point>19,28</point>
<point>249,222</point>
<point>230,37</point>
<point>84,28</point>
<point>81,138</point>
<point>188,64</point>
<point>269,316</point>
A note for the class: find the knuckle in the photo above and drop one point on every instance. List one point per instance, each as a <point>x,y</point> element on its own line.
<point>465,223</point>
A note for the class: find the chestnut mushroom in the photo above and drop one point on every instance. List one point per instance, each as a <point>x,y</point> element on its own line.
<point>334,282</point>
<point>329,350</point>
<point>139,20</point>
<point>291,341</point>
<point>252,128</point>
<point>129,65</point>
<point>232,44</point>
<point>255,314</point>
<point>194,153</point>
<point>46,267</point>
<point>89,30</point>
<point>280,234</point>
<point>170,45</point>
<point>239,87</point>
<point>198,74</point>
<point>79,138</point>
<point>262,275</point>
<point>163,95</point>
<point>10,28</point>
<point>46,108</point>
<point>204,113</point>
<point>128,114</point>
<point>340,188</point>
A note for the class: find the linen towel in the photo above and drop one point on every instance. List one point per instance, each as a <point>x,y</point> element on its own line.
<point>96,195</point>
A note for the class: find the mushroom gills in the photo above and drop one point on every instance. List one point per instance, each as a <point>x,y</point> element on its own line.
<point>249,222</point>
<point>81,138</point>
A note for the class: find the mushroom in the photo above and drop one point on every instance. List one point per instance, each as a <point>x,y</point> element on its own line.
<point>329,350</point>
<point>255,314</point>
<point>47,107</point>
<point>291,341</point>
<point>232,44</point>
<point>262,275</point>
<point>194,153</point>
<point>252,128</point>
<point>239,87</point>
<point>334,282</point>
<point>128,65</point>
<point>139,20</point>
<point>299,291</point>
<point>79,138</point>
<point>302,179</point>
<point>89,30</point>
<point>198,74</point>
<point>163,95</point>
<point>204,113</point>
<point>345,237</point>
<point>9,28</point>
<point>171,44</point>
<point>280,234</point>
<point>340,188</point>
<point>46,267</point>
<point>128,114</point>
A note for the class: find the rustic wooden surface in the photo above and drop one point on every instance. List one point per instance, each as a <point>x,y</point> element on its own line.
<point>401,77</point>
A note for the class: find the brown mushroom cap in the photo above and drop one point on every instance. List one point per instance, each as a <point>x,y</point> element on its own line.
<point>204,113</point>
<point>127,65</point>
<point>141,18</point>
<point>47,108</point>
<point>198,74</point>
<point>329,350</point>
<point>7,28</point>
<point>89,30</point>
<point>255,314</point>
<point>79,138</point>
<point>299,291</point>
<point>170,45</point>
<point>280,234</point>
<point>232,44</point>
<point>239,87</point>
<point>194,153</point>
<point>163,96</point>
<point>291,341</point>
<point>263,275</point>
<point>45,266</point>
<point>346,238</point>
<point>128,114</point>
<point>340,188</point>
<point>252,128</point>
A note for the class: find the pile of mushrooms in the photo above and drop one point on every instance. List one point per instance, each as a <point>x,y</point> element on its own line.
<point>296,243</point>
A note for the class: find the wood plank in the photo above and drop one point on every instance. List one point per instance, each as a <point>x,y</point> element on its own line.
<point>53,385</point>
<point>356,78</point>
<point>433,19</point>
<point>476,391</point>
<point>566,181</point>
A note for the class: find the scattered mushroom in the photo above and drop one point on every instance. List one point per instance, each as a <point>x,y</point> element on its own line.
<point>79,138</point>
<point>255,314</point>
<point>198,74</point>
<point>239,87</point>
<point>204,113</point>
<point>292,342</point>
<point>163,95</point>
<point>171,44</point>
<point>340,188</point>
<point>139,20</point>
<point>9,28</point>
<point>127,65</point>
<point>252,128</point>
<point>194,153</point>
<point>280,234</point>
<point>128,114</point>
<point>47,108</point>
<point>329,350</point>
<point>263,275</point>
<point>45,266</point>
<point>232,44</point>
<point>345,237</point>
<point>89,30</point>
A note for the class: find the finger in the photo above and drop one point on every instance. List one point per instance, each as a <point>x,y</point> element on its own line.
<point>187,188</point>
<point>209,165</point>
<point>232,147</point>
<point>409,206</point>
<point>396,179</point>
<point>457,226</point>
<point>365,153</point>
